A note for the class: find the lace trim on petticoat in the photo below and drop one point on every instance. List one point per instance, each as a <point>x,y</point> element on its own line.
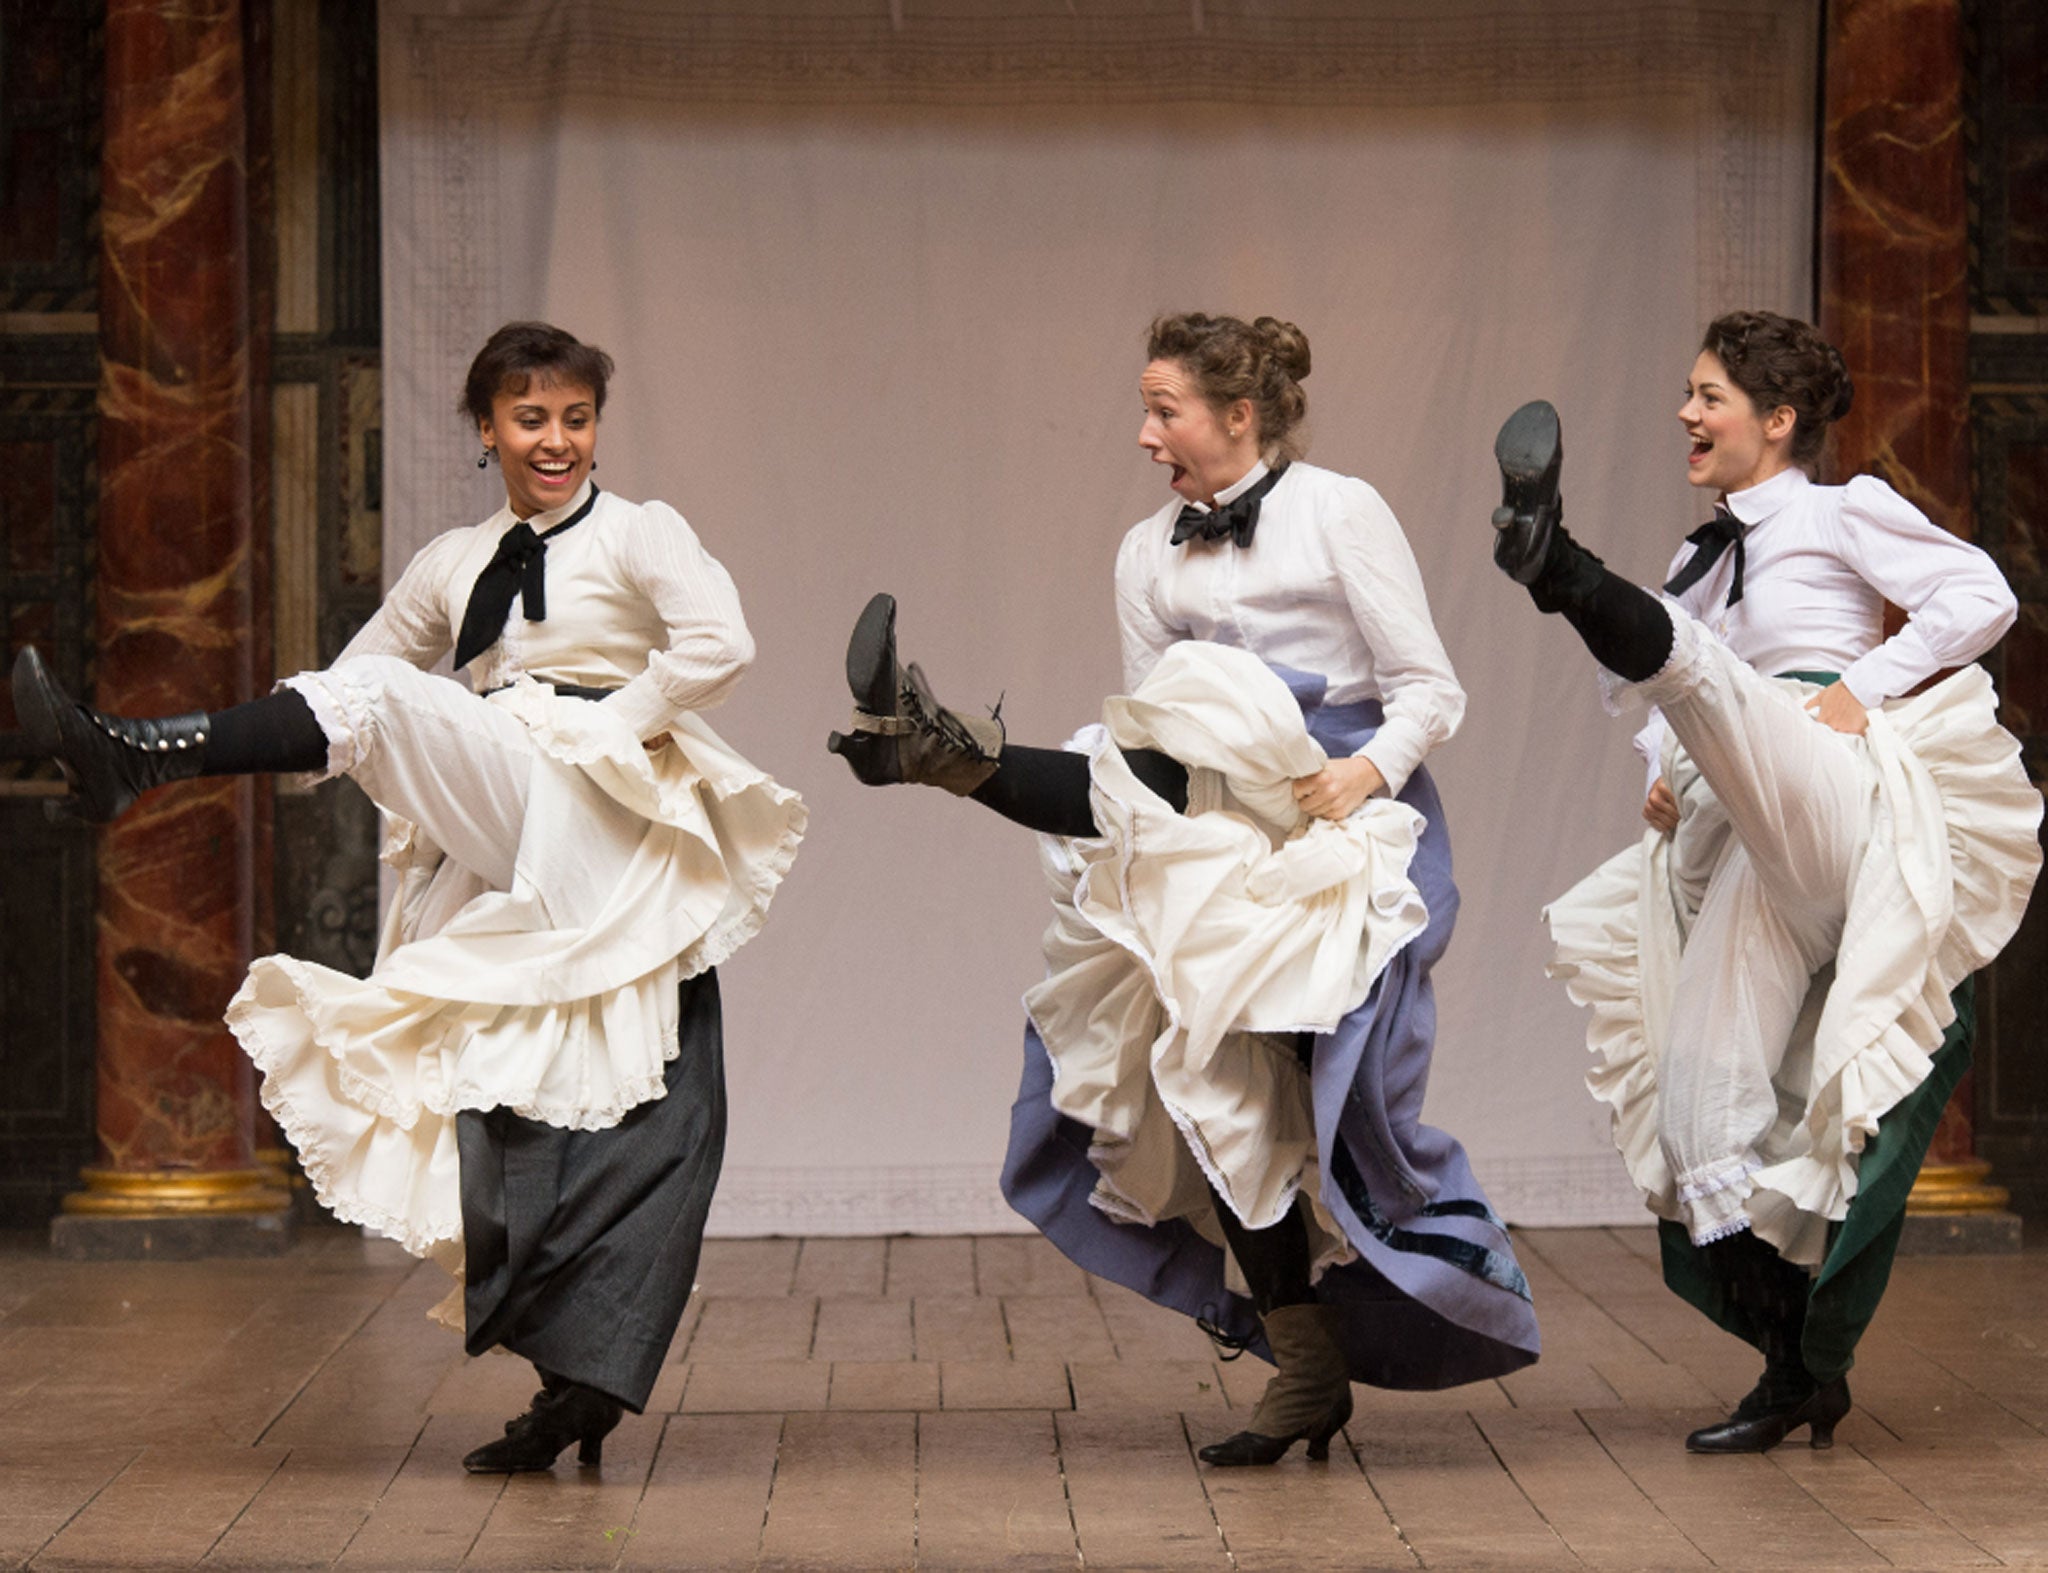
<point>340,714</point>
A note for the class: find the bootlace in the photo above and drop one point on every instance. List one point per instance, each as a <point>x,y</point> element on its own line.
<point>1228,1345</point>
<point>937,718</point>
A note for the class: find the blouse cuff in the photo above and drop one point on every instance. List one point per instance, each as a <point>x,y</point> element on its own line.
<point>1880,675</point>
<point>642,706</point>
<point>1395,750</point>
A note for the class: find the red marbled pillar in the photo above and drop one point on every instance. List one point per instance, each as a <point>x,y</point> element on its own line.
<point>1895,276</point>
<point>176,875</point>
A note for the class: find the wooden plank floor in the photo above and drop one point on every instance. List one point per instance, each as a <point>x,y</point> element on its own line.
<point>979,1403</point>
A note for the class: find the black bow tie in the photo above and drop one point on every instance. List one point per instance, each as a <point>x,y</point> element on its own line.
<point>1710,543</point>
<point>518,567</point>
<point>1237,518</point>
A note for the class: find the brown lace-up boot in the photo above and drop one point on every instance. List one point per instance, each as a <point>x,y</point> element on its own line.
<point>1309,1398</point>
<point>900,731</point>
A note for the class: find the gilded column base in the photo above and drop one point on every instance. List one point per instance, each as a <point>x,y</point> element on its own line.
<point>161,1193</point>
<point>1957,1188</point>
<point>1954,1211</point>
<point>175,1215</point>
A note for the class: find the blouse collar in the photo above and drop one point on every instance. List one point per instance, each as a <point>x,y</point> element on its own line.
<point>1239,487</point>
<point>1768,499</point>
<point>554,516</point>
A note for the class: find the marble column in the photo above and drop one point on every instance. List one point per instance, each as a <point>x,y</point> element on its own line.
<point>177,875</point>
<point>1895,300</point>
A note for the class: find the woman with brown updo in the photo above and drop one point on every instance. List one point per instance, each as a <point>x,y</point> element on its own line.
<point>1251,879</point>
<point>1778,973</point>
<point>529,1087</point>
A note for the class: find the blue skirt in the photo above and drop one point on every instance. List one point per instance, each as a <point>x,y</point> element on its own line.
<point>1435,1297</point>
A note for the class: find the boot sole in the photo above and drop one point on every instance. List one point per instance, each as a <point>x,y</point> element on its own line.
<point>871,675</point>
<point>32,684</point>
<point>871,657</point>
<point>1529,453</point>
<point>1528,442</point>
<point>36,701</point>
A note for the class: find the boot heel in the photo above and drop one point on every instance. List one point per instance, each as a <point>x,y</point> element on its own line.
<point>591,1454</point>
<point>1823,1436</point>
<point>1319,1439</point>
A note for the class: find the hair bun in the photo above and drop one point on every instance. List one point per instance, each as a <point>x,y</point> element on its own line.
<point>1286,344</point>
<point>1845,390</point>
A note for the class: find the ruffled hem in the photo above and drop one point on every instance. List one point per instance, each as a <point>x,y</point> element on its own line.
<point>1943,761</point>
<point>367,1077</point>
<point>1181,941</point>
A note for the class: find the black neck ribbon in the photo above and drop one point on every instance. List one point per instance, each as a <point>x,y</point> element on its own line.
<point>1710,543</point>
<point>1236,519</point>
<point>517,568</point>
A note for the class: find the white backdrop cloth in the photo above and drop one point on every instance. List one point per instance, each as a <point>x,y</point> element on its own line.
<point>876,273</point>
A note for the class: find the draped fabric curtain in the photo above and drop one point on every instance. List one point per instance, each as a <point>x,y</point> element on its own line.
<point>876,274</point>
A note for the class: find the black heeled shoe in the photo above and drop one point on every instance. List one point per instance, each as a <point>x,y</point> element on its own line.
<point>1760,1430</point>
<point>110,761</point>
<point>1530,453</point>
<point>560,1414</point>
<point>1250,1448</point>
<point>900,732</point>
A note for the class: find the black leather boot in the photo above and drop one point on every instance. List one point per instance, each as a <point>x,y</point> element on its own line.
<point>1774,1293</point>
<point>900,731</point>
<point>109,761</point>
<point>562,1412</point>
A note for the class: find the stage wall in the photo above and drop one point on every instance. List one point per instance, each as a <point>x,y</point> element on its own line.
<point>876,277</point>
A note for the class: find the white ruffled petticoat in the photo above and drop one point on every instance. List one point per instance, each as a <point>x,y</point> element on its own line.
<point>556,999</point>
<point>1939,890</point>
<point>1187,950</point>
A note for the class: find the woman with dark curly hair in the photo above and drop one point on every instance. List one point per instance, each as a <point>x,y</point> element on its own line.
<point>1778,974</point>
<point>529,1087</point>
<point>1251,879</point>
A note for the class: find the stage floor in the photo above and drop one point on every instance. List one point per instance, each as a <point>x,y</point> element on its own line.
<point>979,1403</point>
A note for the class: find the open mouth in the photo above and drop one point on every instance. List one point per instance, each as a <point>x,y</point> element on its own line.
<point>555,472</point>
<point>1700,449</point>
<point>1180,473</point>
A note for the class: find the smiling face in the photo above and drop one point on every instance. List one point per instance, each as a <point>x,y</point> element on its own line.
<point>1733,447</point>
<point>1207,449</point>
<point>546,438</point>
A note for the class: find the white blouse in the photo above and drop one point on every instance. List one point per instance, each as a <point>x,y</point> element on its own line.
<point>634,603</point>
<point>1821,563</point>
<point>1329,585</point>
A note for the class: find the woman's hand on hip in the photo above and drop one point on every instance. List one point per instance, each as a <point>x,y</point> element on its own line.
<point>1660,809</point>
<point>1835,706</point>
<point>1339,788</point>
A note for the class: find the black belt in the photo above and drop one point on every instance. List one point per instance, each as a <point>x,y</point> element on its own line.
<point>566,690</point>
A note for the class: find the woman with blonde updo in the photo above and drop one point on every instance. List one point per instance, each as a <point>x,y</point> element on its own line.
<point>1778,973</point>
<point>1251,879</point>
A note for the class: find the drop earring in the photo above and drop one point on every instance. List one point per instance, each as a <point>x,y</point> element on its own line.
<point>483,459</point>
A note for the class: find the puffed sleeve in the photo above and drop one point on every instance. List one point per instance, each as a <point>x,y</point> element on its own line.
<point>1957,603</point>
<point>1142,632</point>
<point>708,643</point>
<point>1383,588</point>
<point>413,621</point>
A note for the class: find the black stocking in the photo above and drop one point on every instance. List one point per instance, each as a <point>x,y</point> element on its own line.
<point>274,733</point>
<point>1274,1259</point>
<point>1626,628</point>
<point>1774,1292</point>
<point>1046,789</point>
